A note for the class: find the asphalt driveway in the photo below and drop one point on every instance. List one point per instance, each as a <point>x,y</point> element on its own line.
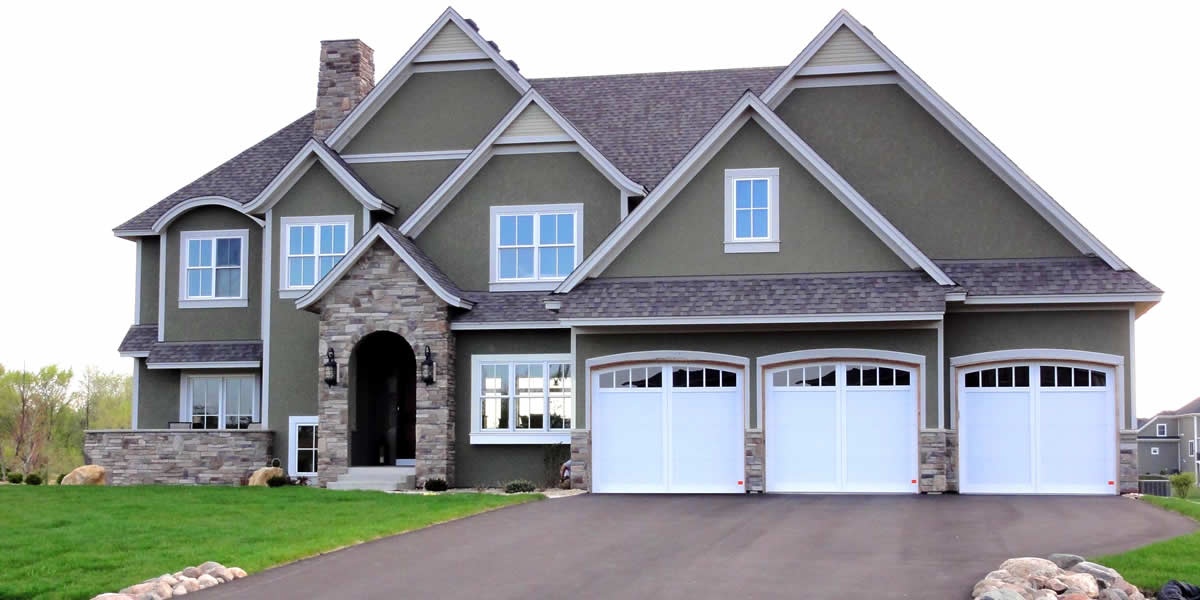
<point>745,546</point>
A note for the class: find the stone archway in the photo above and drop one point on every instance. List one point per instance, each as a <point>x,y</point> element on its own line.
<point>381,293</point>
<point>382,379</point>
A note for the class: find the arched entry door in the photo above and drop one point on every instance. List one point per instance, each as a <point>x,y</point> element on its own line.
<point>383,407</point>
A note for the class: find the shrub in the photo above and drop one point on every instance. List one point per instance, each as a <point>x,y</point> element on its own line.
<point>61,476</point>
<point>1183,483</point>
<point>33,479</point>
<point>277,481</point>
<point>436,485</point>
<point>15,478</point>
<point>519,486</point>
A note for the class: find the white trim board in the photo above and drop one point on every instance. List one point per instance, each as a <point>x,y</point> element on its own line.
<point>1063,298</point>
<point>400,72</point>
<point>706,148</point>
<point>227,364</point>
<point>383,157</point>
<point>356,252</point>
<point>1038,354</point>
<point>958,126</point>
<point>755,319</point>
<point>265,324</point>
<point>497,325</point>
<point>429,209</point>
<point>137,282</point>
<point>310,154</point>
<point>176,211</point>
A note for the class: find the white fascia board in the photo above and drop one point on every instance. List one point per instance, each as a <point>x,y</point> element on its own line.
<point>131,234</point>
<point>1035,354</point>
<point>962,129</point>
<point>755,319</point>
<point>379,157</point>
<point>312,152</point>
<point>176,211</point>
<point>399,73</point>
<point>497,325</point>
<point>376,233</point>
<point>712,141</point>
<point>433,205</point>
<point>1063,298</point>
<point>228,364</point>
<point>138,354</point>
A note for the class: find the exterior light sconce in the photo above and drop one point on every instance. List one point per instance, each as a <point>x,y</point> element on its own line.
<point>428,367</point>
<point>331,369</point>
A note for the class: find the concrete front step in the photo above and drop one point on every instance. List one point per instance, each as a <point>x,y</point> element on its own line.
<point>387,479</point>
<point>379,473</point>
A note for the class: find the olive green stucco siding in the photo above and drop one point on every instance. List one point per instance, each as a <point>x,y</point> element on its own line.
<point>918,175</point>
<point>1105,331</point>
<point>294,361</point>
<point>818,234</point>
<point>197,324</point>
<point>148,278</point>
<point>753,344</point>
<point>487,465</point>
<point>406,184</point>
<point>458,237</point>
<point>1167,459</point>
<point>158,396</point>
<point>448,110</point>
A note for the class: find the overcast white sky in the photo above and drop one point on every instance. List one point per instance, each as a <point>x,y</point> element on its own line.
<point>112,106</point>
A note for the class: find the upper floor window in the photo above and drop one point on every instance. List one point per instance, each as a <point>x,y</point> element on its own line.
<point>1162,429</point>
<point>311,247</point>
<point>212,268</point>
<point>751,210</point>
<point>534,246</point>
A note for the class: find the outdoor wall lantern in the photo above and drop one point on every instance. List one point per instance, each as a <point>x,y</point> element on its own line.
<point>330,369</point>
<point>428,367</point>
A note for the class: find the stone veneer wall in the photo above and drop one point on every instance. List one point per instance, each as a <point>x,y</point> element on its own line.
<point>755,451</point>
<point>1127,466</point>
<point>938,452</point>
<point>187,456</point>
<point>381,293</point>
<point>581,459</point>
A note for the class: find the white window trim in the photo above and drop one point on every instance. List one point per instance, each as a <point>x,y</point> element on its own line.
<point>238,302</point>
<point>1191,447</point>
<point>733,245</point>
<point>285,223</point>
<point>295,422</point>
<point>185,397</point>
<point>513,435</point>
<point>496,284</point>
<point>1154,450</point>
<point>1161,430</point>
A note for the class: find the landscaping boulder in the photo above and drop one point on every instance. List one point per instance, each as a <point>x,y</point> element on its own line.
<point>86,475</point>
<point>1058,577</point>
<point>263,475</point>
<point>1178,590</point>
<point>1100,572</point>
<point>1028,566</point>
<point>1065,561</point>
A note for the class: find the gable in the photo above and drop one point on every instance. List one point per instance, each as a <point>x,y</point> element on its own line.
<point>844,48</point>
<point>317,192</point>
<point>450,41</point>
<point>817,233</point>
<point>918,175</point>
<point>443,110</point>
<point>533,122</point>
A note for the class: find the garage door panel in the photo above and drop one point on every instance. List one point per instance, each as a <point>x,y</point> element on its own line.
<point>1076,435</point>
<point>802,440</point>
<point>880,435</point>
<point>702,441</point>
<point>999,451</point>
<point>628,447</point>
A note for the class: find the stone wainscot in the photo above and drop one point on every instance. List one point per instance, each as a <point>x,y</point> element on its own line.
<point>184,456</point>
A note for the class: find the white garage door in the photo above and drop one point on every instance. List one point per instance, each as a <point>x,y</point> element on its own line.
<point>1037,428</point>
<point>667,428</point>
<point>839,427</point>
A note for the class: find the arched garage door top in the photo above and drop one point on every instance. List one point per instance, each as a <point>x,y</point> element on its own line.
<point>840,353</point>
<point>600,362</point>
<point>1034,354</point>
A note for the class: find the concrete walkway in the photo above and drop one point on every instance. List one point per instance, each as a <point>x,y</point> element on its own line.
<point>693,547</point>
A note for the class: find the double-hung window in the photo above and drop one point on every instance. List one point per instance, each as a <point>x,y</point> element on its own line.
<point>751,210</point>
<point>311,247</point>
<point>533,247</point>
<point>212,268</point>
<point>220,401</point>
<point>1161,429</point>
<point>521,399</point>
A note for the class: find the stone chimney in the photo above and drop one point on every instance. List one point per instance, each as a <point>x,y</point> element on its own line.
<point>347,75</point>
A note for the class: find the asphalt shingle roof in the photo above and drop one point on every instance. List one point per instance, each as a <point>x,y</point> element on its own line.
<point>760,296</point>
<point>139,338</point>
<point>1083,275</point>
<point>192,352</point>
<point>492,307</point>
<point>424,261</point>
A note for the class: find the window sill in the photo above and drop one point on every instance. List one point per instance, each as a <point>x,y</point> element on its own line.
<point>524,286</point>
<point>520,437</point>
<point>220,303</point>
<point>751,247</point>
<point>292,294</point>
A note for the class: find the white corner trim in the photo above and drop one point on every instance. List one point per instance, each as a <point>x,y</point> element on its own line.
<point>137,283</point>
<point>160,226</point>
<point>504,325</point>
<point>712,141</point>
<point>1034,354</point>
<point>772,360</point>
<point>268,250</point>
<point>1063,298</point>
<point>376,233</point>
<point>958,126</point>
<point>295,421</point>
<point>385,157</point>
<point>495,283</point>
<point>600,362</point>
<point>162,285</point>
<point>755,319</point>
<point>137,378</point>
<point>1132,370</point>
<point>944,420</point>
<point>433,205</point>
<point>400,72</point>
<point>285,223</point>
<point>226,364</point>
<point>311,153</point>
<point>239,301</point>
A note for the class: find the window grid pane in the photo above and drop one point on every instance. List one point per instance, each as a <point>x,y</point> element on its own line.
<point>313,251</point>
<point>533,247</point>
<point>751,216</point>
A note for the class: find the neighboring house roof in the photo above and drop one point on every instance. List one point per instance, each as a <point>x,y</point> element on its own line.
<point>1190,408</point>
<point>139,340</point>
<point>1142,422</point>
<point>1044,276</point>
<point>817,294</point>
<point>507,307</point>
<point>180,354</point>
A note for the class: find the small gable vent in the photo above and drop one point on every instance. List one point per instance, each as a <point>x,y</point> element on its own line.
<point>450,43</point>
<point>844,48</point>
<point>533,125</point>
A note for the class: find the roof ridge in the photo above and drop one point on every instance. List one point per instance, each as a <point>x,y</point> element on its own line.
<point>645,73</point>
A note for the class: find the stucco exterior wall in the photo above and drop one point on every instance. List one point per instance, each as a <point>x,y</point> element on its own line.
<point>405,184</point>
<point>1167,459</point>
<point>148,296</point>
<point>158,396</point>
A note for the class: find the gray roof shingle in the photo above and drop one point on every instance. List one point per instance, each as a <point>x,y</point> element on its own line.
<point>194,352</point>
<point>492,307</point>
<point>898,292</point>
<point>424,261</point>
<point>139,338</point>
<point>1043,276</point>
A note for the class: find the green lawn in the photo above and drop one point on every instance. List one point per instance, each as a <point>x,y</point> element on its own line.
<point>1151,566</point>
<point>76,542</point>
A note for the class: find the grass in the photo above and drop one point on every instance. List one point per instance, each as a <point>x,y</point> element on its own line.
<point>76,542</point>
<point>1149,567</point>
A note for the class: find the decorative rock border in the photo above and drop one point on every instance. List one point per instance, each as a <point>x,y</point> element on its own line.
<point>180,583</point>
<point>1058,576</point>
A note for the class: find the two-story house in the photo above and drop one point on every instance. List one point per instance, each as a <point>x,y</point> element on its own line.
<point>1167,441</point>
<point>817,277</point>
